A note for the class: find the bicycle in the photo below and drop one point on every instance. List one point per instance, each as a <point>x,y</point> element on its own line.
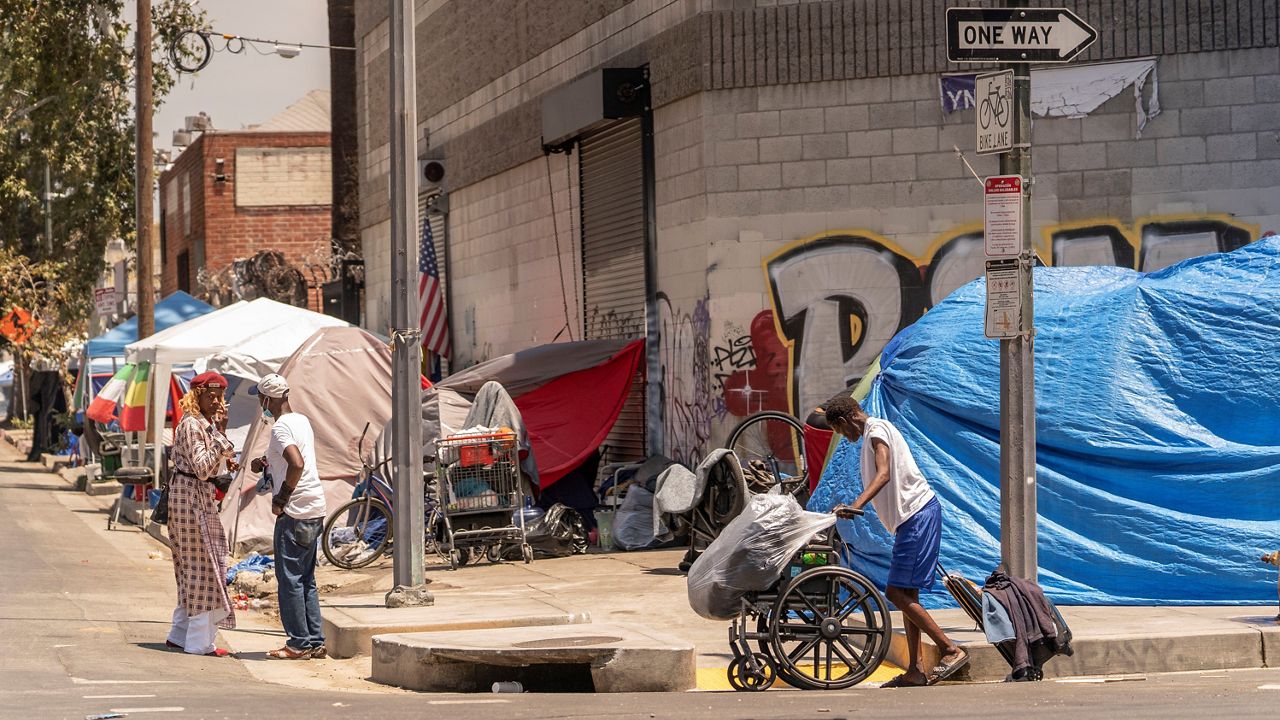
<point>770,445</point>
<point>361,530</point>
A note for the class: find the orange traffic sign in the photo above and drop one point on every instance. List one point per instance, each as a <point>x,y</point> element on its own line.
<point>18,325</point>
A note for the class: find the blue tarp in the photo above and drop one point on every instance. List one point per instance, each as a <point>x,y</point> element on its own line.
<point>176,308</point>
<point>1158,419</point>
<point>253,563</point>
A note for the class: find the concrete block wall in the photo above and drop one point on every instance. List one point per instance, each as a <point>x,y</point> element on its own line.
<point>681,156</point>
<point>373,131</point>
<point>507,292</point>
<point>874,159</point>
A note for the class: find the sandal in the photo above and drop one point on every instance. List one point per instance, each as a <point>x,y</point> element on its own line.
<point>946,670</point>
<point>172,645</point>
<point>288,653</point>
<point>218,652</point>
<point>319,653</point>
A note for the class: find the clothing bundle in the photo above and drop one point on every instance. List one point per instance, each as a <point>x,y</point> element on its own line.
<point>1023,624</point>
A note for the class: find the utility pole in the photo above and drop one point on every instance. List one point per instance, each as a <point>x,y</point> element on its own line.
<point>144,172</point>
<point>406,336</point>
<point>48,211</point>
<point>1017,365</point>
<point>1014,37</point>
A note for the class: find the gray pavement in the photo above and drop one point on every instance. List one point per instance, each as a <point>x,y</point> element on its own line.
<point>84,611</point>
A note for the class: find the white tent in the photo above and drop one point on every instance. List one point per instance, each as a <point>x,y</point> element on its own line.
<point>201,337</point>
<point>229,327</point>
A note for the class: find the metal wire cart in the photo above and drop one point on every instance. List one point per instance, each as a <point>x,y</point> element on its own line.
<point>481,495</point>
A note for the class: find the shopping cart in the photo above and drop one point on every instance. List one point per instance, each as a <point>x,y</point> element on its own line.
<point>481,495</point>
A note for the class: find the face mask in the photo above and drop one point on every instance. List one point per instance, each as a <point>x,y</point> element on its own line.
<point>266,413</point>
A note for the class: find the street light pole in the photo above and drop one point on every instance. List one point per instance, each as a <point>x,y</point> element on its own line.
<point>1017,364</point>
<point>406,357</point>
<point>144,171</point>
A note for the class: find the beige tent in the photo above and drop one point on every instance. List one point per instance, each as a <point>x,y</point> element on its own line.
<point>340,378</point>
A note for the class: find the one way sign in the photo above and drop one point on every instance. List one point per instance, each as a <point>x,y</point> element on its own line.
<point>1040,35</point>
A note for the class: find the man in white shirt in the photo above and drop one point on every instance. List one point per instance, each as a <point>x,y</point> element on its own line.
<point>893,484</point>
<point>298,504</point>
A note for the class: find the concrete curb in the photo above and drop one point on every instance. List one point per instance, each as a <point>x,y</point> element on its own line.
<point>132,514</point>
<point>20,439</point>
<point>351,623</point>
<point>1206,644</point>
<point>581,658</point>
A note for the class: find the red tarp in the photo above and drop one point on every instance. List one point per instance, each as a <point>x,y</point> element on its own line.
<point>817,445</point>
<point>570,416</point>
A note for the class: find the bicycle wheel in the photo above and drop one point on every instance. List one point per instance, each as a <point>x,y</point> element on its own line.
<point>357,533</point>
<point>770,446</point>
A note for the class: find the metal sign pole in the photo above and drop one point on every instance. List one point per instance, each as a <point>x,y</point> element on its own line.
<point>406,357</point>
<point>1017,367</point>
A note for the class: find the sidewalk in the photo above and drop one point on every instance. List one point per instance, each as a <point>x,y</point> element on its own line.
<point>645,590</point>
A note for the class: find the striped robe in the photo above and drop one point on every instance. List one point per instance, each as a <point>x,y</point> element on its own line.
<point>196,538</point>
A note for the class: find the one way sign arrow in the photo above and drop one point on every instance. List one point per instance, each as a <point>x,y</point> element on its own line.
<point>1040,35</point>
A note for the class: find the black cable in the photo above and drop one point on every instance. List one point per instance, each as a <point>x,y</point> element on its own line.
<point>555,227</point>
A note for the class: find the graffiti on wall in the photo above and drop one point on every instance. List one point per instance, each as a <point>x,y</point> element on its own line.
<point>690,409</point>
<point>613,324</point>
<point>838,298</point>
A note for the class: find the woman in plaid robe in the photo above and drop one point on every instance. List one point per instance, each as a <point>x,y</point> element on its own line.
<point>196,538</point>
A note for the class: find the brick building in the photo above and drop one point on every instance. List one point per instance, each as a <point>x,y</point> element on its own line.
<point>787,195</point>
<point>234,194</point>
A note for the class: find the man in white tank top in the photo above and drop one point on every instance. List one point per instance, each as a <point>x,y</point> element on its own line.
<point>893,484</point>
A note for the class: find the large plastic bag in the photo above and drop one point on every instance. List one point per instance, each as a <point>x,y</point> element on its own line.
<point>751,553</point>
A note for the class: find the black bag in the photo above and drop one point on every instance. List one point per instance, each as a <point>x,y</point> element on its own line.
<point>222,482</point>
<point>160,515</point>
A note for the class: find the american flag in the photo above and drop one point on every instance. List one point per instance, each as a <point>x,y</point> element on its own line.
<point>433,322</point>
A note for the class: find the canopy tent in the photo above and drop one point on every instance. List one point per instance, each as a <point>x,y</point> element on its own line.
<point>173,310</point>
<point>1158,445</point>
<point>210,334</point>
<point>229,327</point>
<point>340,379</point>
<point>570,395</point>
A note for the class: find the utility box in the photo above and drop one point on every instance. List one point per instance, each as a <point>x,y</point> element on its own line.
<point>592,100</point>
<point>342,296</point>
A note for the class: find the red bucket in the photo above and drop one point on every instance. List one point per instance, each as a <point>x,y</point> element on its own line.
<point>473,455</point>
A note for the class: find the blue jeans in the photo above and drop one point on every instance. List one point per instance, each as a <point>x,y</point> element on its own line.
<point>296,543</point>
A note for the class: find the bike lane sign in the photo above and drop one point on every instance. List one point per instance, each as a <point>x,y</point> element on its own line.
<point>1002,216</point>
<point>994,94</point>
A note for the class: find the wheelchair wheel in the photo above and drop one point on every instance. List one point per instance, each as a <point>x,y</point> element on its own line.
<point>770,446</point>
<point>829,629</point>
<point>743,678</point>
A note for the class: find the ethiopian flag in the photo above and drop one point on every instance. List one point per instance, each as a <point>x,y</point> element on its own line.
<point>103,407</point>
<point>134,416</point>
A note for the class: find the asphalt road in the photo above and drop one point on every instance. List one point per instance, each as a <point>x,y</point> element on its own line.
<point>84,612</point>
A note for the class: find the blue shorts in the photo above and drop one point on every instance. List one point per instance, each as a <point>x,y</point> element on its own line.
<point>915,548</point>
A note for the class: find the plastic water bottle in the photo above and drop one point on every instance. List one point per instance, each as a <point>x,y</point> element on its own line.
<point>508,686</point>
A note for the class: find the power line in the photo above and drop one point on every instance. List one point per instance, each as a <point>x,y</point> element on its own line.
<point>192,50</point>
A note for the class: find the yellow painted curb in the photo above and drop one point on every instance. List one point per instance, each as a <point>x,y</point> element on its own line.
<point>718,678</point>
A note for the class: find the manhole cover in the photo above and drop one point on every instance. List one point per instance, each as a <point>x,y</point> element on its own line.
<point>574,641</point>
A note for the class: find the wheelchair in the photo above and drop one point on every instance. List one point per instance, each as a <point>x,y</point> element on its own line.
<point>821,626</point>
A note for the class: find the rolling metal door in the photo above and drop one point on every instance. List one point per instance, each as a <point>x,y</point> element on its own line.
<point>611,167</point>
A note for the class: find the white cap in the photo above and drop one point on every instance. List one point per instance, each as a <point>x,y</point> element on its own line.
<point>273,386</point>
